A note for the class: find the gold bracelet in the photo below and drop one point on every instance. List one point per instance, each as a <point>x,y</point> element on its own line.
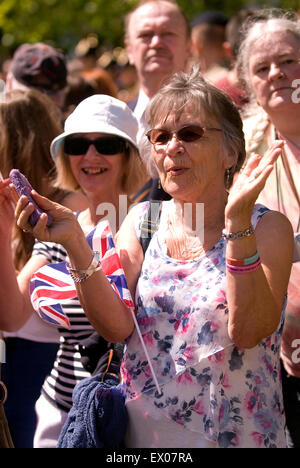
<point>78,276</point>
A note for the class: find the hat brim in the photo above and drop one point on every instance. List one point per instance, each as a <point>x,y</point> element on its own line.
<point>58,141</point>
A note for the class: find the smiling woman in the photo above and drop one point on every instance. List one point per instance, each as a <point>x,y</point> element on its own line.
<point>98,144</point>
<point>97,153</point>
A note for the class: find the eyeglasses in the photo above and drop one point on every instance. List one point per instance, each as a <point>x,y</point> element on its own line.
<point>77,146</point>
<point>187,134</point>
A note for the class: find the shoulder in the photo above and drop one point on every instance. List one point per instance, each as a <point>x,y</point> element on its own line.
<point>75,201</point>
<point>128,244</point>
<point>53,253</point>
<point>274,230</point>
<point>136,215</point>
<point>258,212</point>
<point>132,104</point>
<point>130,227</point>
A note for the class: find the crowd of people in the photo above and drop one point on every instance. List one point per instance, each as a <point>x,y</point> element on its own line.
<point>207,156</point>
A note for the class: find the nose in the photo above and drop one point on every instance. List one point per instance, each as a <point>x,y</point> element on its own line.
<point>275,72</point>
<point>174,145</point>
<point>92,152</point>
<point>156,40</point>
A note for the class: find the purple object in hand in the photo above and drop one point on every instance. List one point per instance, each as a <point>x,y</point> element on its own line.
<point>23,187</point>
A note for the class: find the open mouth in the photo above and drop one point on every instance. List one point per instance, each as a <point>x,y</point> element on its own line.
<point>96,171</point>
<point>176,170</point>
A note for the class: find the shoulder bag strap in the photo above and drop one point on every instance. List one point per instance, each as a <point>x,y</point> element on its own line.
<point>150,223</point>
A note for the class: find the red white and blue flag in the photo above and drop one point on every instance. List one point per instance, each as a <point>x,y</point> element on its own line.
<point>51,286</point>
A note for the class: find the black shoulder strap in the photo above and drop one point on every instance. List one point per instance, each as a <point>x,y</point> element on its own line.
<point>150,223</point>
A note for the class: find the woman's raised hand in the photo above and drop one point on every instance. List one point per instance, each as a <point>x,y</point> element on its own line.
<point>63,229</point>
<point>250,182</point>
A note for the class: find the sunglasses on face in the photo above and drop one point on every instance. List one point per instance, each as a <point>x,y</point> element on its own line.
<point>77,146</point>
<point>187,134</point>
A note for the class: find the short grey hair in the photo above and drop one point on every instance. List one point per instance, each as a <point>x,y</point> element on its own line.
<point>191,88</point>
<point>253,30</point>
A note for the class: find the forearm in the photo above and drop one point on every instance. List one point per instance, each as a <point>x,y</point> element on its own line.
<point>14,306</point>
<point>253,310</point>
<point>110,317</point>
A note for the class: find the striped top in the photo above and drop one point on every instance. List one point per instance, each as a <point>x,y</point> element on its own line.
<point>67,370</point>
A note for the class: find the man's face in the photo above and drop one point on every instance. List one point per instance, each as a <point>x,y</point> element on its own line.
<point>157,40</point>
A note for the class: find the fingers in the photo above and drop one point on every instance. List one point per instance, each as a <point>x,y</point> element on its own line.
<point>22,213</point>
<point>252,164</point>
<point>262,165</point>
<point>14,195</point>
<point>43,202</point>
<point>273,152</point>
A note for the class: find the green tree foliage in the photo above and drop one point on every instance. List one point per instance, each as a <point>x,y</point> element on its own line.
<point>64,23</point>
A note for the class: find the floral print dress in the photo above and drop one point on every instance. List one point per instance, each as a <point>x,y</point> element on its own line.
<point>230,396</point>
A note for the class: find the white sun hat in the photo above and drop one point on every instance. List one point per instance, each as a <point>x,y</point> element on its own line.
<point>99,113</point>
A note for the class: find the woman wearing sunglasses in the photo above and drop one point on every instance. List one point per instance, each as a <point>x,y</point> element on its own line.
<point>209,292</point>
<point>97,153</point>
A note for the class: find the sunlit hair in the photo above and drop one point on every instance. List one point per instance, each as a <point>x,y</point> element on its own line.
<point>134,171</point>
<point>29,121</point>
<point>203,99</point>
<point>254,30</point>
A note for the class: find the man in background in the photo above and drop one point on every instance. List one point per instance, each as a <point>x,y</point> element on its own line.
<point>208,36</point>
<point>229,82</point>
<point>157,40</point>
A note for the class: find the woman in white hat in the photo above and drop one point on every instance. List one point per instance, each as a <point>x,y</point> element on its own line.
<point>98,154</point>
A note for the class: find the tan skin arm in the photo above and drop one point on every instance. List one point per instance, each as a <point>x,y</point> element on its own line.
<point>105,311</point>
<point>15,305</point>
<point>255,299</point>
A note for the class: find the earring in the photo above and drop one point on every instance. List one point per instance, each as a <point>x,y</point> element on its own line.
<point>227,177</point>
<point>158,183</point>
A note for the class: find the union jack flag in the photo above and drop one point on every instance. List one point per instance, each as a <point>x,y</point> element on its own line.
<point>52,286</point>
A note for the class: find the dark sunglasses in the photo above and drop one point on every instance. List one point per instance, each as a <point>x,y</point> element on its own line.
<point>77,146</point>
<point>189,133</point>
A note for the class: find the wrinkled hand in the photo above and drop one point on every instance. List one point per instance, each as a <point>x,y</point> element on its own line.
<point>64,228</point>
<point>250,183</point>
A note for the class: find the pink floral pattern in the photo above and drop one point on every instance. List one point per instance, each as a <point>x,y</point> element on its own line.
<point>231,396</point>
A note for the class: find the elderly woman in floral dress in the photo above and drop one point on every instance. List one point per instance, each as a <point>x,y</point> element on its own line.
<point>209,293</point>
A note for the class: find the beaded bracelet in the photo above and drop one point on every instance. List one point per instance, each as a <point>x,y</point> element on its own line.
<point>78,276</point>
